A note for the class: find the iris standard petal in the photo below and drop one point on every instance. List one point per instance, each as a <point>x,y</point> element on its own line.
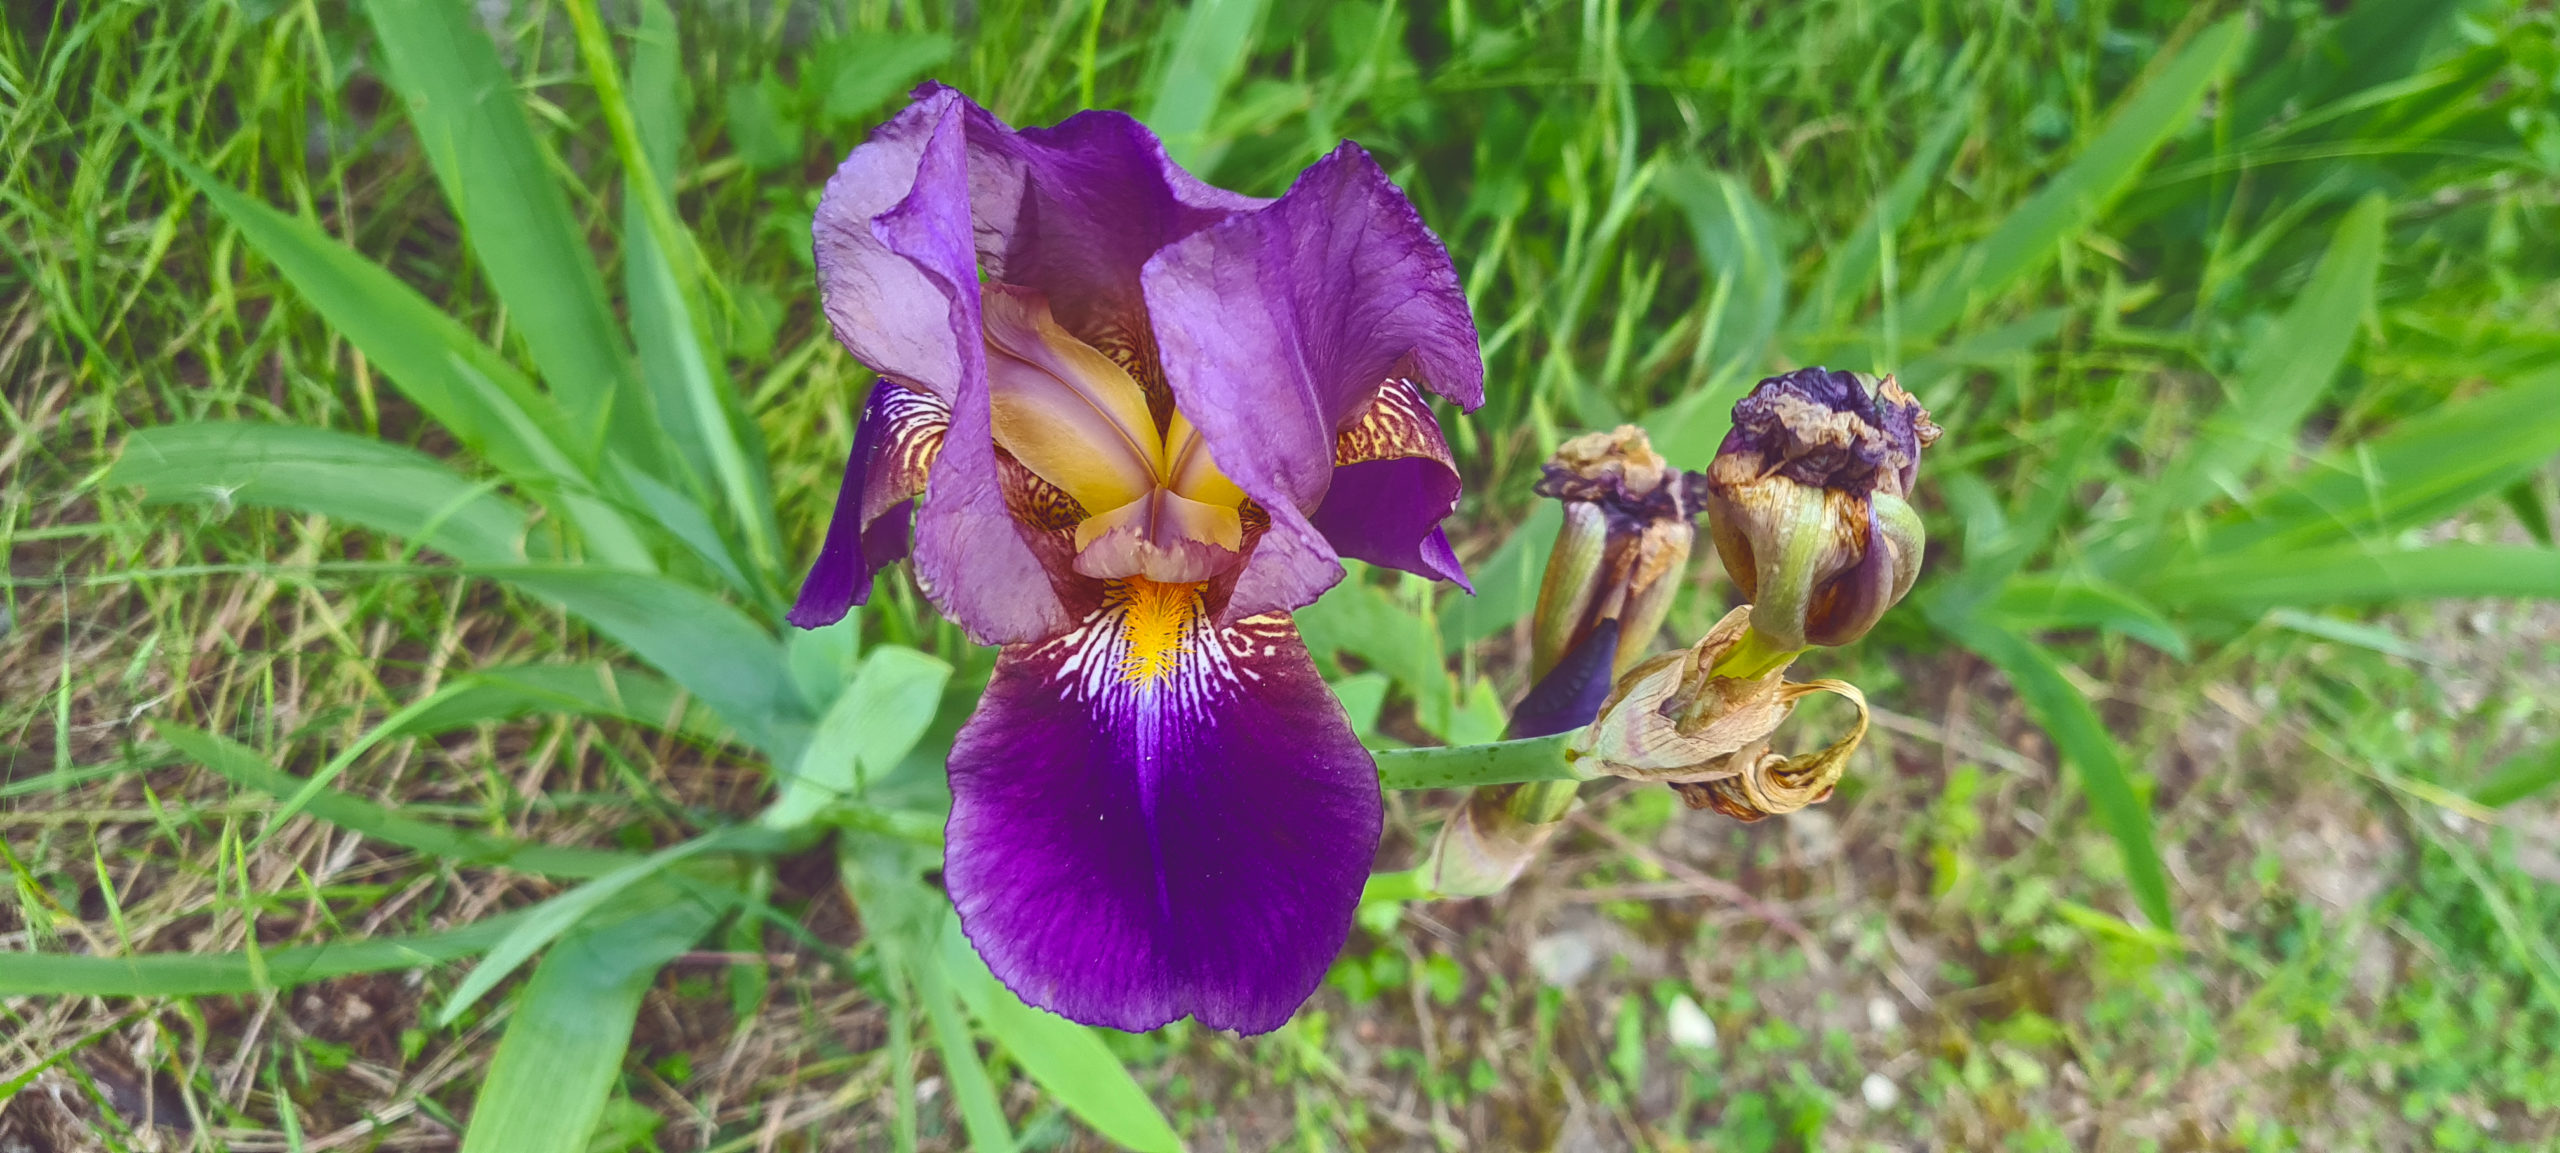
<point>1275,328</point>
<point>885,310</point>
<point>1071,211</point>
<point>893,448</point>
<point>971,555</point>
<point>1074,211</point>
<point>1154,817</point>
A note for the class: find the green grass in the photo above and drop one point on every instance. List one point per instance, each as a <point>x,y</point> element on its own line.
<point>2208,811</point>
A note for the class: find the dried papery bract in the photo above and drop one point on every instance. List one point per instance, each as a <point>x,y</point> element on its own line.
<point>1677,720</point>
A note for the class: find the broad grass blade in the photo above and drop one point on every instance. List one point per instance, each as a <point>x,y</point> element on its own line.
<point>2040,602</point>
<point>473,129</point>
<point>1208,53</point>
<point>660,328</point>
<point>664,275</point>
<point>475,394</point>
<point>2082,192</point>
<point>2522,776</point>
<point>2424,470</point>
<point>685,519</point>
<point>971,1088</point>
<point>872,726</point>
<point>555,918</point>
<point>219,974</point>
<point>2083,738</point>
<point>1065,1058</point>
<point>439,366</point>
<point>702,643</point>
<point>2283,375</point>
<point>243,767</point>
<point>600,690</point>
<point>563,1049</point>
<point>391,489</point>
<point>1739,245</point>
<point>2354,574</point>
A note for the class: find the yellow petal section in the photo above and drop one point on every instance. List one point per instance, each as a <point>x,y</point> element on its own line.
<point>1064,409</point>
<point>1190,471</point>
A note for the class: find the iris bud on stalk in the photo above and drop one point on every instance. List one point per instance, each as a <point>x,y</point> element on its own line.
<point>1808,503</point>
<point>1617,564</point>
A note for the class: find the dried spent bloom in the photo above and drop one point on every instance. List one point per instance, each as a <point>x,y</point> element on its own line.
<point>1676,720</point>
<point>1137,420</point>
<point>1808,501</point>
<point>1487,842</point>
<point>1618,562</point>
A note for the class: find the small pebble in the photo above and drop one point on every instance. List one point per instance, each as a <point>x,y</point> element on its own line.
<point>1882,1016</point>
<point>1561,959</point>
<point>1880,1091</point>
<point>1689,1025</point>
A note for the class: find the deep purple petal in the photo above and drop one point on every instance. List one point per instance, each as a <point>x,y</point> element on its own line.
<point>1389,512</point>
<point>1275,328</point>
<point>1570,695</point>
<point>894,446</point>
<point>1127,854</point>
<point>1071,211</point>
<point>971,555</point>
<point>1076,212</point>
<point>1393,483</point>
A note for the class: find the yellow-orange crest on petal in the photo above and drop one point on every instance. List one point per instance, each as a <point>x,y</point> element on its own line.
<point>1155,623</point>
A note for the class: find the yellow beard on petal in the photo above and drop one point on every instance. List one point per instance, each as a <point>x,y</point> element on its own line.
<point>1155,623</point>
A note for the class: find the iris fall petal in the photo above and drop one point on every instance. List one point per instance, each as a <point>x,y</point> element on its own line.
<point>893,448</point>
<point>1154,817</point>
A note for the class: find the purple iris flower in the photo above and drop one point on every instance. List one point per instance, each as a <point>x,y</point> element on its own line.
<point>1138,420</point>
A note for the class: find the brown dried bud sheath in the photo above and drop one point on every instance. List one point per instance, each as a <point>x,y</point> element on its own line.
<point>1629,525</point>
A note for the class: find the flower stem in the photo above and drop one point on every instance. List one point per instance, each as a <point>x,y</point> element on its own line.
<point>1462,766</point>
<point>1753,657</point>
